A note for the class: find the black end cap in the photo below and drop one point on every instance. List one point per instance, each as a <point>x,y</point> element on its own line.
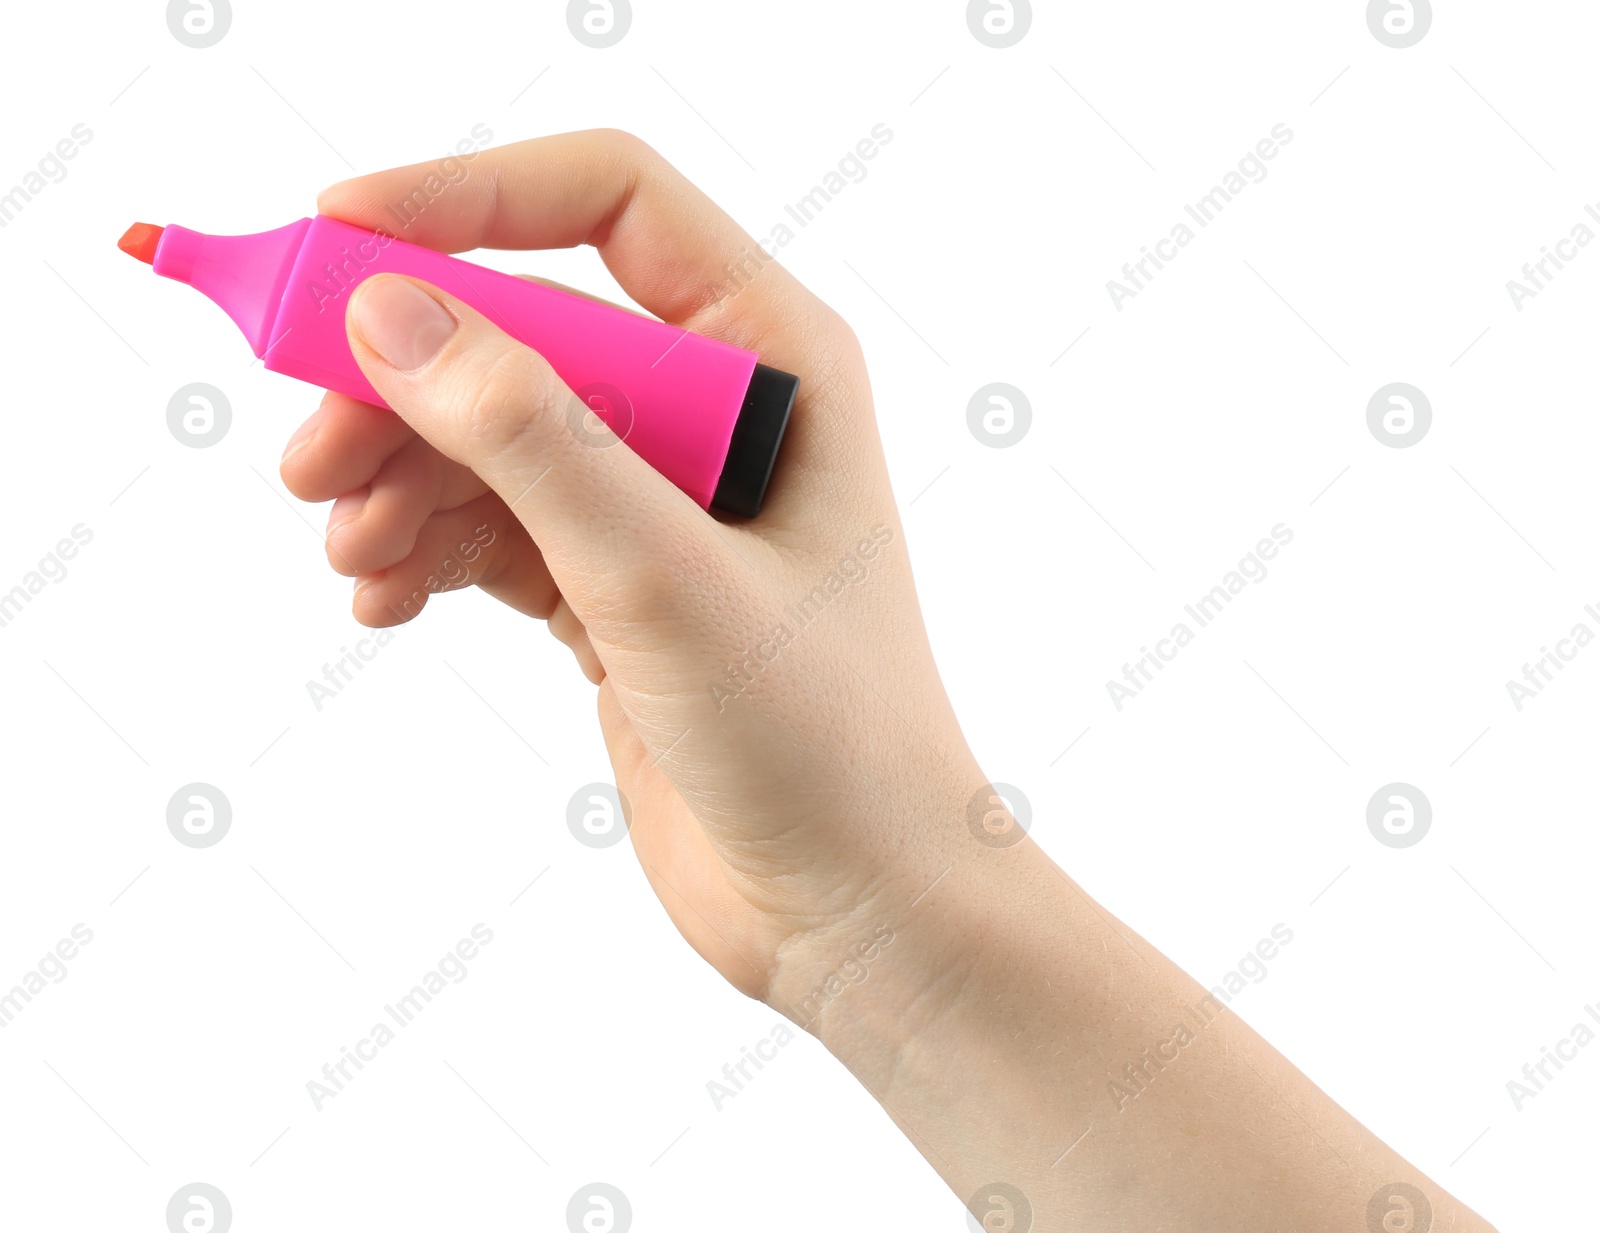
<point>753,447</point>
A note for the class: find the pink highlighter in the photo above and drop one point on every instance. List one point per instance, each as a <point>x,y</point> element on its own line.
<point>704,413</point>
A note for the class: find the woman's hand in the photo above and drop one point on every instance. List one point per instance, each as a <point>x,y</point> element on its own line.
<point>766,689</point>
<point>802,799</point>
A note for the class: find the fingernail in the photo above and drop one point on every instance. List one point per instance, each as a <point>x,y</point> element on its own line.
<point>302,434</point>
<point>401,322</point>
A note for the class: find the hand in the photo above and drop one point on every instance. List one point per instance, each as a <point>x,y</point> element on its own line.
<point>802,797</point>
<point>766,689</point>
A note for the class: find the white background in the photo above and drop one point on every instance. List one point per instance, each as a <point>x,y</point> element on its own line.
<point>369,836</point>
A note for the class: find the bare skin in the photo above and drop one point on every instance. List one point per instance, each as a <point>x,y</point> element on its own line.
<point>814,822</point>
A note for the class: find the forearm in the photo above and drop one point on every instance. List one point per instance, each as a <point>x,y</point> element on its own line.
<point>1021,1035</point>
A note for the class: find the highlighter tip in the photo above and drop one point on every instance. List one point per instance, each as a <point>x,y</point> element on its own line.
<point>140,241</point>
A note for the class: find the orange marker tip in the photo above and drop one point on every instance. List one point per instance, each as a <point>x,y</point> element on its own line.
<point>140,241</point>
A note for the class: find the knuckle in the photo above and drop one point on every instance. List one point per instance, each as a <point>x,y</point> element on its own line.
<point>628,146</point>
<point>838,360</point>
<point>839,335</point>
<point>501,402</point>
<point>634,162</point>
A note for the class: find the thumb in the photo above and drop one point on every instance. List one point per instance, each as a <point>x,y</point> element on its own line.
<point>601,515</point>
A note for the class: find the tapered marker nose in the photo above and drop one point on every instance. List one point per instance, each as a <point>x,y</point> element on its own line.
<point>140,241</point>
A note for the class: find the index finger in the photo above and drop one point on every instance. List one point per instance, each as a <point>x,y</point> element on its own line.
<point>675,252</point>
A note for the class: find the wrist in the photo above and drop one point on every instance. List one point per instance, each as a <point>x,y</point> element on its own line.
<point>995,1028</point>
<point>955,1025</point>
<point>936,936</point>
